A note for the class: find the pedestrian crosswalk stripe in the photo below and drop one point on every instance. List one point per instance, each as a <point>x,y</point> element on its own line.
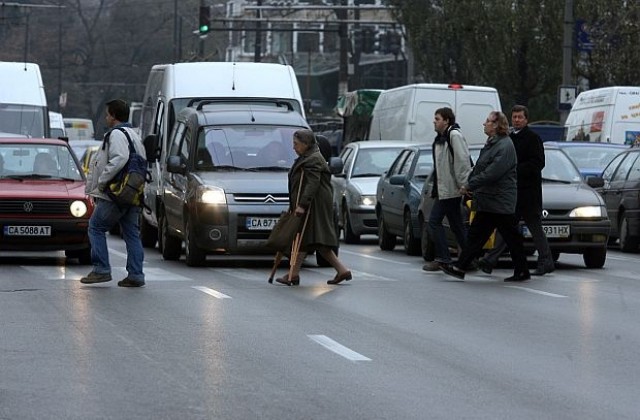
<point>211,292</point>
<point>338,348</point>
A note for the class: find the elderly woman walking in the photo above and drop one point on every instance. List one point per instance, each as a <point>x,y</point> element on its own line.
<point>310,193</point>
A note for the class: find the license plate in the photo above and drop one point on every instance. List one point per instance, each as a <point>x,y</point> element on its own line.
<point>551,231</point>
<point>27,230</point>
<point>261,223</point>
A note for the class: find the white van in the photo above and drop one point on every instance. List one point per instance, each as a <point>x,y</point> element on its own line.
<point>406,112</point>
<point>79,129</point>
<point>606,115</point>
<point>23,104</point>
<point>56,123</point>
<point>172,87</point>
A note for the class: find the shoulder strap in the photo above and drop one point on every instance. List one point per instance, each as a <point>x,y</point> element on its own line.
<point>132,149</point>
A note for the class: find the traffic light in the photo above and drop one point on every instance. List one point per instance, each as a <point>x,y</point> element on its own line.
<point>205,20</point>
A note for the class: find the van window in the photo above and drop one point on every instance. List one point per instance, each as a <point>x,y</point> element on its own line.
<point>26,120</point>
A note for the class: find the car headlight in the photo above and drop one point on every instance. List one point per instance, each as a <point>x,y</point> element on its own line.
<point>367,200</point>
<point>211,195</point>
<point>588,211</point>
<point>78,208</point>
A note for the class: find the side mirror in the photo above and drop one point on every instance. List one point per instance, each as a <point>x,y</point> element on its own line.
<point>151,148</point>
<point>595,181</point>
<point>336,165</point>
<point>175,165</point>
<point>64,138</point>
<point>397,179</point>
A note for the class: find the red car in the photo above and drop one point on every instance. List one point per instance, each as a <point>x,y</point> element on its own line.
<point>43,206</point>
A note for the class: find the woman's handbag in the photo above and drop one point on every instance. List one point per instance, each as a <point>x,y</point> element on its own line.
<point>284,232</point>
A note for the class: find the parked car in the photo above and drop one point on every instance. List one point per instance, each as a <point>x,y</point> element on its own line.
<point>621,191</point>
<point>590,158</point>
<point>574,216</point>
<point>43,206</point>
<point>354,189</point>
<point>398,197</point>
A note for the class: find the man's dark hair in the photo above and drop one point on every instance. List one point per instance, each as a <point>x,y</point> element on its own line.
<point>520,108</point>
<point>324,146</point>
<point>447,114</point>
<point>118,109</point>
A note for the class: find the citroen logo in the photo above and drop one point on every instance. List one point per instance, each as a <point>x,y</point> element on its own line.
<point>545,214</point>
<point>28,206</point>
<point>269,199</point>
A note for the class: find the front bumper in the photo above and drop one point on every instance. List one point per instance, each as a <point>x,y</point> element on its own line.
<point>583,235</point>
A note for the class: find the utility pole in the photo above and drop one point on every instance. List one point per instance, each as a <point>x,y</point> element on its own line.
<point>343,69</point>
<point>258,47</point>
<point>567,51</point>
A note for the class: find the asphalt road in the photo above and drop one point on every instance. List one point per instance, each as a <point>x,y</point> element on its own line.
<point>219,342</point>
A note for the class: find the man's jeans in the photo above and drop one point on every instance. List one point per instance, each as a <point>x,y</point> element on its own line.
<point>451,209</point>
<point>105,215</point>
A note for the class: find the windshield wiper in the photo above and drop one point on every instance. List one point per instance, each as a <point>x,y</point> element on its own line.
<point>365,175</point>
<point>557,181</point>
<point>29,176</point>
<point>231,168</point>
<point>269,168</point>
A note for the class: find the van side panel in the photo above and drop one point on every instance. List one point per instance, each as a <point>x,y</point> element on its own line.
<point>425,110</point>
<point>473,107</point>
<point>625,124</point>
<point>391,115</point>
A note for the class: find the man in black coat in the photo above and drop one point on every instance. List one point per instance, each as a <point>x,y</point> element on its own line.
<point>531,161</point>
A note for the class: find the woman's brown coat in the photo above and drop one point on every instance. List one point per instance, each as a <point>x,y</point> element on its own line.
<point>316,197</point>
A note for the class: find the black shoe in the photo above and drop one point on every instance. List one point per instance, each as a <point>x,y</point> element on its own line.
<point>94,277</point>
<point>452,270</point>
<point>485,266</point>
<point>339,278</point>
<point>295,280</point>
<point>544,268</point>
<point>524,276</point>
<point>127,282</point>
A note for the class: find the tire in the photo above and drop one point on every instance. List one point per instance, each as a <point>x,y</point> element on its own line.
<point>321,261</point>
<point>595,257</point>
<point>83,255</point>
<point>349,236</point>
<point>628,243</point>
<point>411,244</point>
<point>427,246</point>
<point>148,233</point>
<point>171,246</point>
<point>194,256</point>
<point>386,240</point>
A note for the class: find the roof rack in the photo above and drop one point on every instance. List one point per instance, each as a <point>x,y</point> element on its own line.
<point>200,102</point>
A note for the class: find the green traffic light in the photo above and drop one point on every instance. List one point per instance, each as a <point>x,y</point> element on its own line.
<point>204,29</point>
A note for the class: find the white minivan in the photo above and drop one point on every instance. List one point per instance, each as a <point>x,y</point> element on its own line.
<point>406,112</point>
<point>605,115</point>
<point>23,104</point>
<point>172,87</point>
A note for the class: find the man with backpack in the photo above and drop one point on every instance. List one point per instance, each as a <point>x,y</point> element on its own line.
<point>451,169</point>
<point>105,167</point>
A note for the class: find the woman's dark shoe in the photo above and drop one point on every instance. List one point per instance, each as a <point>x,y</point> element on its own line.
<point>524,276</point>
<point>339,278</point>
<point>453,271</point>
<point>295,280</point>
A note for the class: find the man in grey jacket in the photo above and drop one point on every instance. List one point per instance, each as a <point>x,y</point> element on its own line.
<point>108,161</point>
<point>451,169</point>
<point>493,185</point>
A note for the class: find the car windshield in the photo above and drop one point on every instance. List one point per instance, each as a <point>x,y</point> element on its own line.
<point>257,148</point>
<point>558,167</point>
<point>38,161</point>
<point>592,157</point>
<point>26,120</point>
<point>372,162</point>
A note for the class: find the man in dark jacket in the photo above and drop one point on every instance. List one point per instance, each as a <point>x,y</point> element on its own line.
<point>531,161</point>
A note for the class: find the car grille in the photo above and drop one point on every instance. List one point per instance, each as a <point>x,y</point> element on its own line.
<point>34,207</point>
<point>261,198</point>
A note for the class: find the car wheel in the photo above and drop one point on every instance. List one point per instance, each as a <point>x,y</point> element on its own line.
<point>426,244</point>
<point>628,243</point>
<point>83,255</point>
<point>555,255</point>
<point>595,257</point>
<point>321,261</point>
<point>386,240</point>
<point>411,244</point>
<point>349,236</point>
<point>148,233</point>
<point>171,246</point>
<point>194,256</point>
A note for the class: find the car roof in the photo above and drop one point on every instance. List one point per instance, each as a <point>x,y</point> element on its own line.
<point>376,144</point>
<point>240,114</point>
<point>562,144</point>
<point>20,140</point>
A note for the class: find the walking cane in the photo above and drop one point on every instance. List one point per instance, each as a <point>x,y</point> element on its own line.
<point>295,246</point>
<point>276,263</point>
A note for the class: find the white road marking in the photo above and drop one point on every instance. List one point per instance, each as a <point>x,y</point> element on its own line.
<point>359,254</point>
<point>211,292</point>
<point>539,292</point>
<point>338,348</point>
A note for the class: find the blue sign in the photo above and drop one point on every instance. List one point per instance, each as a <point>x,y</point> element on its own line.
<point>583,36</point>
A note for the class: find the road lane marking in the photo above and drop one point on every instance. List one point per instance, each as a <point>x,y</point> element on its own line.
<point>359,254</point>
<point>211,292</point>
<point>338,348</point>
<point>539,292</point>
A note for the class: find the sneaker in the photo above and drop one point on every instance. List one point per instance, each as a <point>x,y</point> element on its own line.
<point>431,266</point>
<point>485,266</point>
<point>127,282</point>
<point>453,271</point>
<point>94,277</point>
